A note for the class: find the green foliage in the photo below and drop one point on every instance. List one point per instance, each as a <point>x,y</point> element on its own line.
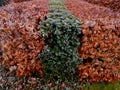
<point>3,2</point>
<point>58,3</point>
<point>57,6</point>
<point>60,57</point>
<point>104,86</point>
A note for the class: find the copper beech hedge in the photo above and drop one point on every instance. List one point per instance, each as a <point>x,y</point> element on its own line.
<point>20,41</point>
<point>101,42</point>
<point>112,4</point>
<point>98,71</point>
<point>17,1</point>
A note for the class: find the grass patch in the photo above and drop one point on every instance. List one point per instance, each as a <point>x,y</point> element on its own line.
<point>104,86</point>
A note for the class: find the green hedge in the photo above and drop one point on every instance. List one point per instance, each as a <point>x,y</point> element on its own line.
<point>60,57</point>
<point>3,2</point>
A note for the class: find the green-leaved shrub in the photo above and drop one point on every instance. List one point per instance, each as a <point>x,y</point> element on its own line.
<point>57,6</point>
<point>60,56</point>
<point>3,2</point>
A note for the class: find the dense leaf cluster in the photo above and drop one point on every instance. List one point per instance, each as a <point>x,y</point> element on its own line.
<point>20,42</point>
<point>60,56</point>
<point>17,1</point>
<point>101,41</point>
<point>3,2</point>
<point>112,4</point>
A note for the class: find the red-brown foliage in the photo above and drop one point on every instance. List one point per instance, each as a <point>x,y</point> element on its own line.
<point>101,29</point>
<point>100,40</point>
<point>99,71</point>
<point>20,0</point>
<point>113,4</point>
<point>20,41</point>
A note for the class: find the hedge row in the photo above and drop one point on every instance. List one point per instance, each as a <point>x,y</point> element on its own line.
<point>20,42</point>
<point>60,31</point>
<point>112,4</point>
<point>5,2</point>
<point>100,47</point>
